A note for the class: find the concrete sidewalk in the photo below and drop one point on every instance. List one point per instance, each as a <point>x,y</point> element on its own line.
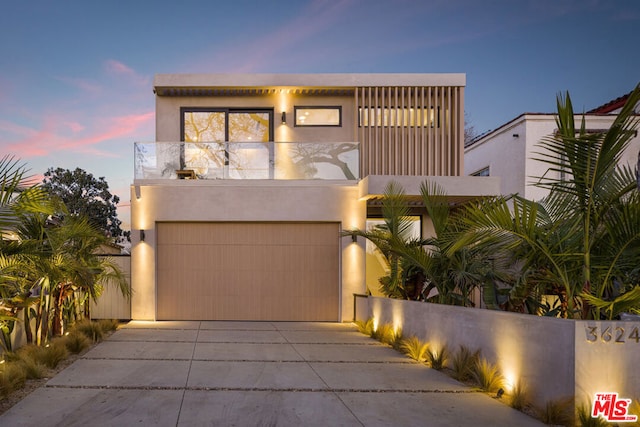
<point>250,374</point>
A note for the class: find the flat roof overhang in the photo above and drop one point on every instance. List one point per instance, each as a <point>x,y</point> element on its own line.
<point>459,189</point>
<point>322,84</point>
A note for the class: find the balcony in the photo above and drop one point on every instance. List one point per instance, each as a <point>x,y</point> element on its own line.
<point>247,160</point>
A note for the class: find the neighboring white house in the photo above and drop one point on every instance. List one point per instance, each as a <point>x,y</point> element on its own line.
<point>508,152</point>
<point>238,205</point>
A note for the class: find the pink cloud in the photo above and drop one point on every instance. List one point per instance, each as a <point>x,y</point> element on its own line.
<point>53,135</point>
<point>117,68</point>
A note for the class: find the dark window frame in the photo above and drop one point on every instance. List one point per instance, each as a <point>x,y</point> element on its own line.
<point>317,107</point>
<point>227,111</point>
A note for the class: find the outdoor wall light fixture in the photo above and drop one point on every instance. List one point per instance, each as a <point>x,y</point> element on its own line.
<point>142,236</point>
<point>284,118</point>
<point>500,393</point>
<point>516,135</point>
<point>354,238</point>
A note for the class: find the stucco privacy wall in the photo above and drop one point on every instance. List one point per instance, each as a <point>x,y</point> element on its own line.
<point>555,358</point>
<point>537,351</point>
<point>199,200</point>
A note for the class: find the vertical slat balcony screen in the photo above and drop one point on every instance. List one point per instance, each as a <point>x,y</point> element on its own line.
<point>414,131</point>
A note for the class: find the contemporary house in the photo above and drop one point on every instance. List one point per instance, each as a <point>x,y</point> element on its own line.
<point>508,151</point>
<point>238,205</point>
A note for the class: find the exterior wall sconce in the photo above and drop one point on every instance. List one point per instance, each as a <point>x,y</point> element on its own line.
<point>354,238</point>
<point>284,118</point>
<point>142,236</point>
<point>516,135</point>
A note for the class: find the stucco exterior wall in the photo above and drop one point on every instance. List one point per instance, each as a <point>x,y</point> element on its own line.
<point>194,200</point>
<point>512,158</point>
<point>168,115</point>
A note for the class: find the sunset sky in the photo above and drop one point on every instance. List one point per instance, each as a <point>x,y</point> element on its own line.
<point>76,76</point>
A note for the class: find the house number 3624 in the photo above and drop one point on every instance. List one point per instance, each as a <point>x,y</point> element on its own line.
<point>616,334</point>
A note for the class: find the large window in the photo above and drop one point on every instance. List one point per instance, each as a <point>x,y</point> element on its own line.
<point>227,143</point>
<point>219,125</point>
<point>318,116</point>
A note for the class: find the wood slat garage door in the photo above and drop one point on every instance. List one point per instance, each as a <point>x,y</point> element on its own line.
<point>247,271</point>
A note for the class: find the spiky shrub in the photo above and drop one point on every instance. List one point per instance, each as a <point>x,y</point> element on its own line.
<point>519,398</point>
<point>385,334</point>
<point>557,412</point>
<point>586,420</point>
<point>12,377</point>
<point>487,375</point>
<point>437,359</point>
<point>396,341</point>
<point>463,363</point>
<point>54,353</point>
<point>414,348</point>
<point>32,369</point>
<point>76,342</point>
<point>365,327</point>
<point>91,330</point>
<point>108,325</point>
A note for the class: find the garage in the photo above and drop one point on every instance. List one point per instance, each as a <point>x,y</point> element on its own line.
<point>248,271</point>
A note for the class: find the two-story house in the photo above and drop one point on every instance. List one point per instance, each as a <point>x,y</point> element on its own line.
<point>238,205</point>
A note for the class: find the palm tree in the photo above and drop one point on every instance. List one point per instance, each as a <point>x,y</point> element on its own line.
<point>581,242</point>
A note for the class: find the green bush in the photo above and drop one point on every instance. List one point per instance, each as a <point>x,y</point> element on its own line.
<point>76,342</point>
<point>32,369</point>
<point>12,377</point>
<point>91,330</point>
<point>108,325</point>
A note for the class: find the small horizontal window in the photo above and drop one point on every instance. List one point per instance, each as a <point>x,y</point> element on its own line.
<point>318,116</point>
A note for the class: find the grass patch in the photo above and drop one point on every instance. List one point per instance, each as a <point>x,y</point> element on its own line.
<point>108,325</point>
<point>414,348</point>
<point>365,327</point>
<point>76,342</point>
<point>33,370</point>
<point>586,420</point>
<point>91,330</point>
<point>519,397</point>
<point>463,363</point>
<point>12,377</point>
<point>488,376</point>
<point>437,358</point>
<point>557,412</point>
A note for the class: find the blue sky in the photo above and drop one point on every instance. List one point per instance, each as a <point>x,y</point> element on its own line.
<point>76,76</point>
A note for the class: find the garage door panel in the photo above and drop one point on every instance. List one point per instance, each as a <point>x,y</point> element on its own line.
<point>248,271</point>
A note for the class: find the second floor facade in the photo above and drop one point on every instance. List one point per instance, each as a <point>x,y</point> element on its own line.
<point>305,126</point>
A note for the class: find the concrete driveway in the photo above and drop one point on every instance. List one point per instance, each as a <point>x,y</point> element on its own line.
<point>253,374</point>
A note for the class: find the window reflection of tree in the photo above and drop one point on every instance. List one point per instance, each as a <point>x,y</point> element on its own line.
<point>208,154</point>
<point>306,157</point>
